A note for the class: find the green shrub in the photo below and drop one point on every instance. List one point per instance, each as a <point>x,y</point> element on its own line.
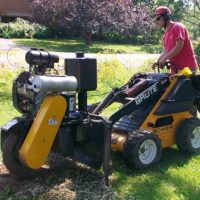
<point>138,39</point>
<point>42,31</point>
<point>3,29</point>
<point>112,73</point>
<point>152,38</point>
<point>18,29</point>
<point>24,29</point>
<point>114,36</point>
<point>197,49</point>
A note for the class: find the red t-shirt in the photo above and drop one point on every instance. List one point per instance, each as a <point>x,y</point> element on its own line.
<point>186,57</point>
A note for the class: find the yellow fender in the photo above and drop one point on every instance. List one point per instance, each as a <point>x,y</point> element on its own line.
<point>39,140</point>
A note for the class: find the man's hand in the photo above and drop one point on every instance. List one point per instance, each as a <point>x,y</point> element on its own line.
<point>162,62</point>
<point>154,65</point>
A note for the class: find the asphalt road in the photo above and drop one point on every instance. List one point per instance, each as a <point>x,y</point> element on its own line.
<point>6,44</point>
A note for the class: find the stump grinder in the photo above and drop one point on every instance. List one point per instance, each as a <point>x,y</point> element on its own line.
<point>154,114</point>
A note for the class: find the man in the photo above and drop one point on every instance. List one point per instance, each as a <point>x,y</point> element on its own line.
<point>176,41</point>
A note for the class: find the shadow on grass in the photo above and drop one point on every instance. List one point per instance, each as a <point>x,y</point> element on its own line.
<point>61,45</point>
<point>75,45</point>
<point>170,157</point>
<point>168,178</point>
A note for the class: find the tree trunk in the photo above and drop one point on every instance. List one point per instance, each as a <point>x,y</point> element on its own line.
<point>87,36</point>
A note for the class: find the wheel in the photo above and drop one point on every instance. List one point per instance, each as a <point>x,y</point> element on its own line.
<point>142,149</point>
<point>3,138</point>
<point>11,160</point>
<point>188,136</point>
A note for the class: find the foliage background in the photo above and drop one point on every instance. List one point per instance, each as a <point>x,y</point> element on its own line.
<point>129,20</point>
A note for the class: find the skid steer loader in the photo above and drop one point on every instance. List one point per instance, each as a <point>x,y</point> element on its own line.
<point>154,115</point>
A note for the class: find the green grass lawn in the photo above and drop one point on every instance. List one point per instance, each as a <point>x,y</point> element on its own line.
<point>71,45</point>
<point>176,177</point>
<point>7,112</point>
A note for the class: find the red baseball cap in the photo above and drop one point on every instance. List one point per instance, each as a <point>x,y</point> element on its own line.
<point>161,10</point>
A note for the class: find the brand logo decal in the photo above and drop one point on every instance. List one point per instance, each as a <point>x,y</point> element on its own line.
<point>52,121</point>
<point>146,94</point>
<point>166,129</point>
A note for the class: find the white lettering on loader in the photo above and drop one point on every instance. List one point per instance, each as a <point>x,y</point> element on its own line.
<point>151,90</point>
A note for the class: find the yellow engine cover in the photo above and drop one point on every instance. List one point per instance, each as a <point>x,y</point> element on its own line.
<point>41,135</point>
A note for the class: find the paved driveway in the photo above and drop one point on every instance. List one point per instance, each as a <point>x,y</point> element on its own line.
<point>6,44</point>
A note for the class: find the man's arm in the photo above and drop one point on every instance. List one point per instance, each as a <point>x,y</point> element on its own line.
<point>162,54</point>
<point>175,51</point>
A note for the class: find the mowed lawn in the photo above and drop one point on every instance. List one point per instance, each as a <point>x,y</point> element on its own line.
<point>71,45</point>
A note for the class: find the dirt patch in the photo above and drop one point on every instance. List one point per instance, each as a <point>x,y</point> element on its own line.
<point>63,180</point>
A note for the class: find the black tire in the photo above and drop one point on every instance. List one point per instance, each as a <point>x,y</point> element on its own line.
<point>3,138</point>
<point>11,160</point>
<point>134,149</point>
<point>188,136</point>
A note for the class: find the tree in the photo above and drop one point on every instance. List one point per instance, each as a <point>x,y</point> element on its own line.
<point>94,16</point>
<point>192,16</point>
<point>128,18</point>
<point>56,14</point>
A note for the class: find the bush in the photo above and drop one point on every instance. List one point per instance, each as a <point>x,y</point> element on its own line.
<point>197,50</point>
<point>42,31</point>
<point>113,36</point>
<point>18,29</point>
<point>24,29</point>
<point>112,73</point>
<point>117,37</point>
